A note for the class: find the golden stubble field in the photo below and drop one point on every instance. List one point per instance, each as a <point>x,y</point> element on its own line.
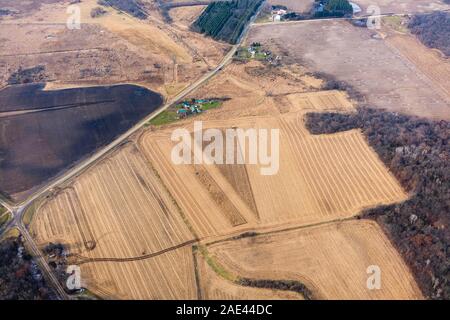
<point>133,217</point>
<point>392,73</point>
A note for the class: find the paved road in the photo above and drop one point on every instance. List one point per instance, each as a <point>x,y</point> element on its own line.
<point>18,210</point>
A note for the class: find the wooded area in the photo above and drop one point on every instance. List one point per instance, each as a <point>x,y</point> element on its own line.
<point>332,8</point>
<point>20,277</point>
<point>416,150</point>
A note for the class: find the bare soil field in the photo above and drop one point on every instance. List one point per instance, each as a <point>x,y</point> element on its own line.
<point>212,286</point>
<point>120,224</point>
<point>360,58</point>
<point>331,260</point>
<point>403,6</point>
<point>430,62</point>
<point>45,132</point>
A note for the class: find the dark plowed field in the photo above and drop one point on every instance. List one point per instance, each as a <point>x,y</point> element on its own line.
<point>60,128</point>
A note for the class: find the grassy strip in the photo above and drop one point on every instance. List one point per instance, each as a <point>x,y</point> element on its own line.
<point>216,266</point>
<point>284,285</point>
<point>211,105</point>
<point>165,117</point>
<point>170,115</point>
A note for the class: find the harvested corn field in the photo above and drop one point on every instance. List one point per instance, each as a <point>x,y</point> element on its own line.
<point>321,177</point>
<point>183,17</point>
<point>320,101</point>
<point>212,286</point>
<point>331,260</point>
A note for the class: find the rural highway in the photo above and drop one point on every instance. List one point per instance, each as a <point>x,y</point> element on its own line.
<point>17,210</point>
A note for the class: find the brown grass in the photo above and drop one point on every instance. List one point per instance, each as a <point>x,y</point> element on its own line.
<point>113,48</point>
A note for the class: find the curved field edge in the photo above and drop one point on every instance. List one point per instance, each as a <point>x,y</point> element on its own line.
<point>416,151</point>
<point>332,260</point>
